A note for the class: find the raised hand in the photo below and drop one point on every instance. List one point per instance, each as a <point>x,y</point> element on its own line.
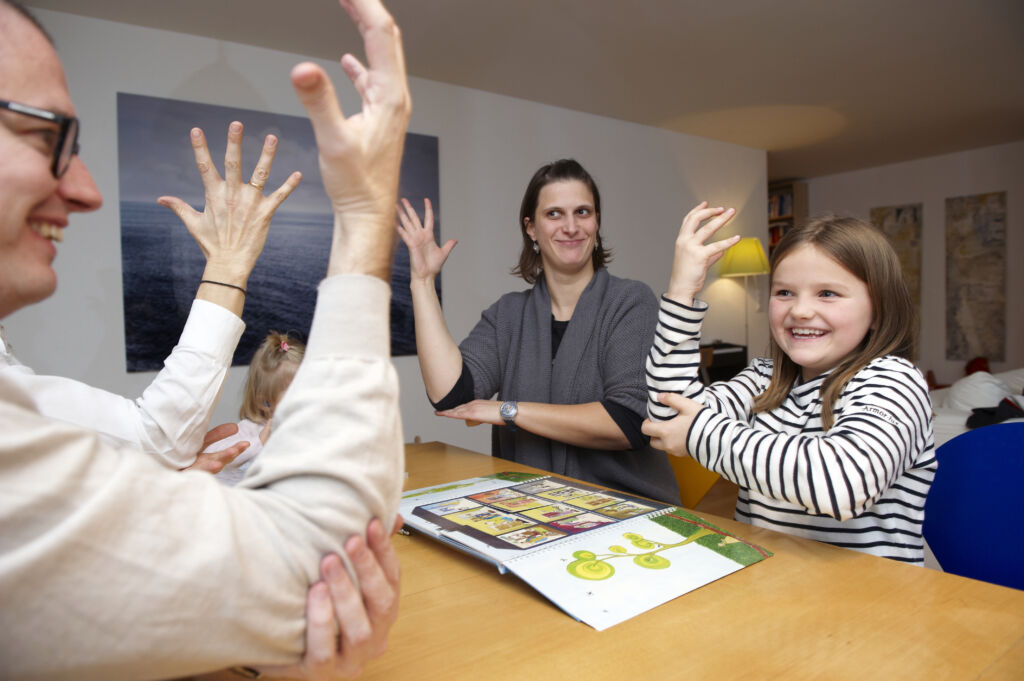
<point>693,257</point>
<point>232,229</point>
<point>426,258</point>
<point>360,156</point>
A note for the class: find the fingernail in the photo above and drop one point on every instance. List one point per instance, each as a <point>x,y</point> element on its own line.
<point>197,133</point>
<point>236,126</point>
<point>332,568</point>
<point>376,529</point>
<point>304,76</point>
<point>271,140</point>
<point>354,545</point>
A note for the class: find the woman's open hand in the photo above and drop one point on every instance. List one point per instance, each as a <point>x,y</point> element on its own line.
<point>693,257</point>
<point>426,258</point>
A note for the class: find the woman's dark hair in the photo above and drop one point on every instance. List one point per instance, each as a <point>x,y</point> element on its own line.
<point>566,169</point>
<point>862,249</point>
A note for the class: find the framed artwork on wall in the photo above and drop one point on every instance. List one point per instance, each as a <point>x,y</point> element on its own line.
<point>902,226</point>
<point>976,277</point>
<point>162,264</point>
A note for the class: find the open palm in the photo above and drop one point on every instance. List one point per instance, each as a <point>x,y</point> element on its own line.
<point>426,258</point>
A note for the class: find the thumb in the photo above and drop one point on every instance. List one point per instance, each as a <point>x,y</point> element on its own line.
<point>448,247</point>
<point>183,210</point>
<point>316,94</point>
<point>221,432</point>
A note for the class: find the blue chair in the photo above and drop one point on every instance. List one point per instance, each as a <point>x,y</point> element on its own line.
<point>974,514</point>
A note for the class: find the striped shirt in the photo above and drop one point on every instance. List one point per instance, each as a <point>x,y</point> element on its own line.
<point>861,485</point>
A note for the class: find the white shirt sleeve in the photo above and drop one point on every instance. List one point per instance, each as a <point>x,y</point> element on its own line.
<point>113,567</point>
<point>172,416</point>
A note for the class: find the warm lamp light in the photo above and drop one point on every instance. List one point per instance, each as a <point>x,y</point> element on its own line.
<point>744,259</point>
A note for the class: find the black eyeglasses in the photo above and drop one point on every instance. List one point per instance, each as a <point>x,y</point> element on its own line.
<point>67,137</point>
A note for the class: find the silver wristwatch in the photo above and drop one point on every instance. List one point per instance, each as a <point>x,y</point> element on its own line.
<point>509,410</point>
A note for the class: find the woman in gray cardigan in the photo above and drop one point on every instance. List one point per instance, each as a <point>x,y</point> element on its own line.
<point>565,358</point>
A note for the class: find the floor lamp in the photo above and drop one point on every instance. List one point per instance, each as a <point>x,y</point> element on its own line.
<point>745,259</point>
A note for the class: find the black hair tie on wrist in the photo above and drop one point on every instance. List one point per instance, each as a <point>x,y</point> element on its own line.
<point>221,283</point>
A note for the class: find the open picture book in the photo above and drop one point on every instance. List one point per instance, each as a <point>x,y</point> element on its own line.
<point>600,555</point>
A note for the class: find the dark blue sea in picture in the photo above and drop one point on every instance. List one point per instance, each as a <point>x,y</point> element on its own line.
<point>162,266</point>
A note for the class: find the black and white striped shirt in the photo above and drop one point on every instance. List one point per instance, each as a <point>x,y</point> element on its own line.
<point>861,485</point>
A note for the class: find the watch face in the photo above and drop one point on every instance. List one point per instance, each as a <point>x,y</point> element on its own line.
<point>509,410</point>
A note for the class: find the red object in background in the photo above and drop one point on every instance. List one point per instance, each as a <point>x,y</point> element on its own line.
<point>977,364</point>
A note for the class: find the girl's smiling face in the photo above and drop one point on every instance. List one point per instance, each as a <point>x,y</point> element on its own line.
<point>819,312</point>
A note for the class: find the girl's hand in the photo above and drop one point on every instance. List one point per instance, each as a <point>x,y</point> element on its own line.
<point>426,258</point>
<point>693,257</point>
<point>476,412</point>
<point>670,436</point>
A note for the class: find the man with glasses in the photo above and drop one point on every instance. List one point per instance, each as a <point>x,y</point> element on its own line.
<point>65,137</point>
<point>170,418</point>
<point>112,566</point>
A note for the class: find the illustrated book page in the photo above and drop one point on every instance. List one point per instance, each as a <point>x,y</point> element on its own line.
<point>600,555</point>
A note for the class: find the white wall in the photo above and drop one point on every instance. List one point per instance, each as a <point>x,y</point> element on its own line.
<point>931,181</point>
<point>489,147</point>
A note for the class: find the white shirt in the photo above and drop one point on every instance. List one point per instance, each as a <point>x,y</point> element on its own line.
<point>248,431</point>
<point>172,416</point>
<point>114,567</point>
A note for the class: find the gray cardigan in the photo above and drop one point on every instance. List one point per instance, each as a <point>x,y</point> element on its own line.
<point>601,357</point>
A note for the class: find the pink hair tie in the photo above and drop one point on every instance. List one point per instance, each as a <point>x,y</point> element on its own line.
<point>284,346</point>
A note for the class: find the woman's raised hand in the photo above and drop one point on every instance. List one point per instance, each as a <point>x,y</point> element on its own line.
<point>693,257</point>
<point>426,258</point>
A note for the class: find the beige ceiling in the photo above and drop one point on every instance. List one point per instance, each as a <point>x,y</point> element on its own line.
<point>824,86</point>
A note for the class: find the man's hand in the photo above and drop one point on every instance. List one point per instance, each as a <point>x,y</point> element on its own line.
<point>360,156</point>
<point>214,462</point>
<point>346,627</point>
<point>232,229</point>
<point>670,436</point>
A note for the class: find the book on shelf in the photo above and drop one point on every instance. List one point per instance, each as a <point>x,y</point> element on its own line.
<point>600,555</point>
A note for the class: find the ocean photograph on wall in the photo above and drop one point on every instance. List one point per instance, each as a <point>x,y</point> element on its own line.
<point>162,264</point>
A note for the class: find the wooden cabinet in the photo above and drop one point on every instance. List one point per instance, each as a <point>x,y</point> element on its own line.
<point>787,206</point>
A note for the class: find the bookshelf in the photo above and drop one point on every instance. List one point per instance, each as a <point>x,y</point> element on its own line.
<point>787,206</point>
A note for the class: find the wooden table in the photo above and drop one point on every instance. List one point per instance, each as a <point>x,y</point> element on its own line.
<point>812,611</point>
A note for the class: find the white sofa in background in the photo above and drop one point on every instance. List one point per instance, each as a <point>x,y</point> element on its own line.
<point>953,405</point>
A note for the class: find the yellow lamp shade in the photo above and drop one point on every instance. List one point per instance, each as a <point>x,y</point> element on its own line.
<point>746,258</point>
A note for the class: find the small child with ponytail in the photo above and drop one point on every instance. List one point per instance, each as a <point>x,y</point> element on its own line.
<point>271,371</point>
